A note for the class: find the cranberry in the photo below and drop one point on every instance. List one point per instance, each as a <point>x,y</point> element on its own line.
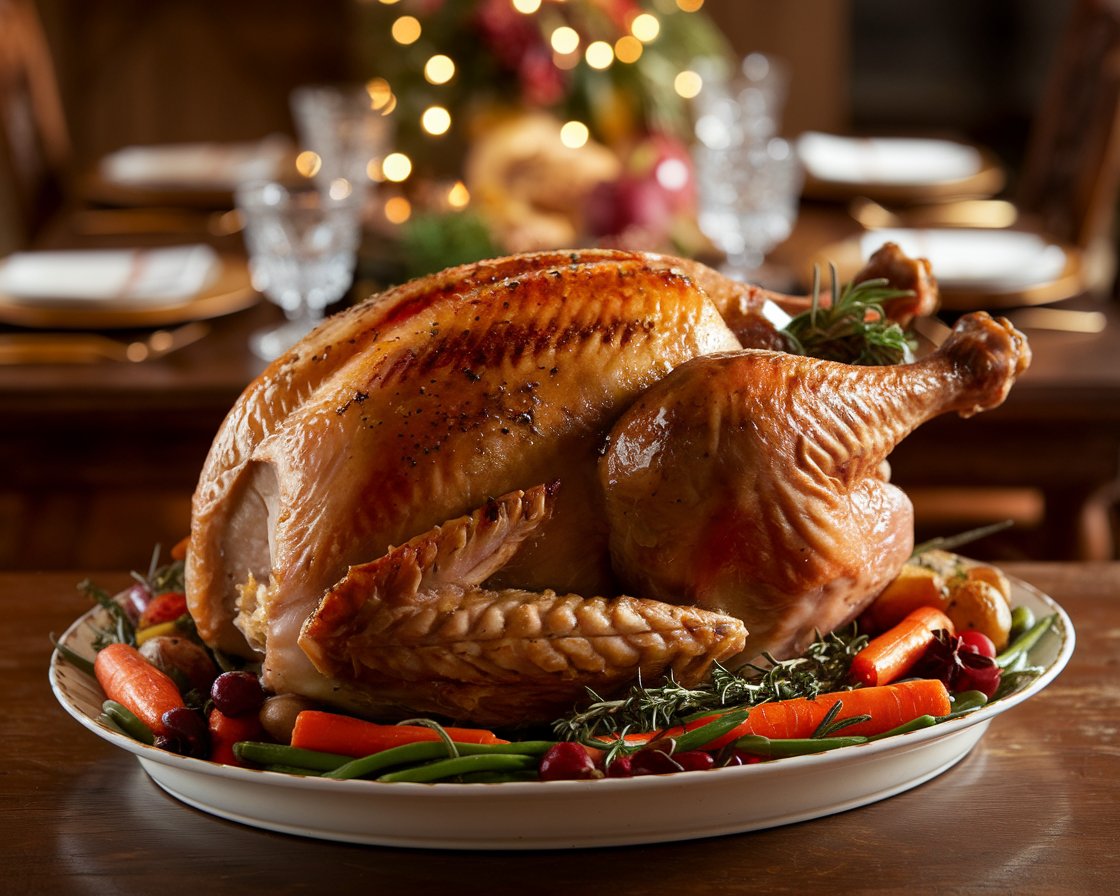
<point>695,760</point>
<point>740,758</point>
<point>237,693</point>
<point>654,762</point>
<point>977,642</point>
<point>187,733</point>
<point>958,666</point>
<point>567,761</point>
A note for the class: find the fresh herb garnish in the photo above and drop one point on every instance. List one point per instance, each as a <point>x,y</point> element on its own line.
<point>854,328</point>
<point>821,669</point>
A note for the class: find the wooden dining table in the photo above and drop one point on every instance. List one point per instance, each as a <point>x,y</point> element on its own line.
<point>1033,808</point>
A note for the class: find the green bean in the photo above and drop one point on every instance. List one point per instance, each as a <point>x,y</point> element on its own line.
<point>109,722</point>
<point>779,748</point>
<point>291,757</point>
<point>499,777</point>
<point>917,724</point>
<point>1022,618</point>
<point>75,659</point>
<point>294,770</point>
<point>701,736</point>
<point>421,751</point>
<point>449,768</point>
<point>1023,644</point>
<point>967,701</point>
<point>128,722</point>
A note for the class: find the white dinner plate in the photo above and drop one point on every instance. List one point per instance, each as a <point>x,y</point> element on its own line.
<point>975,267</point>
<point>564,814</point>
<point>977,258</point>
<point>226,288</point>
<point>895,168</point>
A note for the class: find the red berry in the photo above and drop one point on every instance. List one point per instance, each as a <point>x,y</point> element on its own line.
<point>567,761</point>
<point>654,762</point>
<point>695,760</point>
<point>977,642</point>
<point>237,693</point>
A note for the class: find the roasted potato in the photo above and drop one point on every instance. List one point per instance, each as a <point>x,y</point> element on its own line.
<point>978,605</point>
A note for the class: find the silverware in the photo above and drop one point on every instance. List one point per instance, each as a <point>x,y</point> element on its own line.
<point>89,348</point>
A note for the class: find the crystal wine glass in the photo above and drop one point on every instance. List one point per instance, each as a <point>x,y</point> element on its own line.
<point>748,178</point>
<point>302,244</point>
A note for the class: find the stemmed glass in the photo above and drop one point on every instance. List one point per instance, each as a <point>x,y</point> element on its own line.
<point>748,178</point>
<point>302,244</point>
<point>345,125</point>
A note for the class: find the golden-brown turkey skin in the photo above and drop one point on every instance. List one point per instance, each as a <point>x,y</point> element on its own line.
<point>420,630</point>
<point>749,482</point>
<point>416,409</point>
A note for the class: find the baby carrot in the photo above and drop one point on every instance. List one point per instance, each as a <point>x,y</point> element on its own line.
<point>128,678</point>
<point>888,707</point>
<point>225,731</point>
<point>329,732</point>
<point>889,656</point>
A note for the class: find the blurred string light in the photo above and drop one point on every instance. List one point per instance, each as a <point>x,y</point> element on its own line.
<point>436,121</point>
<point>406,30</point>
<point>440,69</point>
<point>574,134</point>
<point>397,167</point>
<point>458,196</point>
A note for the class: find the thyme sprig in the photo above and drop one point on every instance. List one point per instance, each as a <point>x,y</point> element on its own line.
<point>854,328</point>
<point>822,668</point>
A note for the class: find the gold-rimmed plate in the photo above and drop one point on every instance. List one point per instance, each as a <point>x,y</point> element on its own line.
<point>230,290</point>
<point>975,268</point>
<point>896,169</point>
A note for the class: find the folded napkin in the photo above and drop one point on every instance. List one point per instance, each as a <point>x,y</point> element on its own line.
<point>123,276</point>
<point>886,160</point>
<point>207,165</point>
<point>977,258</point>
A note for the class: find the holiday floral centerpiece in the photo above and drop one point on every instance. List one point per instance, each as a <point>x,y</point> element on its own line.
<point>552,123</point>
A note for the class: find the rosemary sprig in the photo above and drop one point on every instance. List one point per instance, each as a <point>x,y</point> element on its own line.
<point>823,667</point>
<point>854,328</point>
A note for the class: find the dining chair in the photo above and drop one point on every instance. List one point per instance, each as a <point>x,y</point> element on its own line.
<point>34,141</point>
<point>1070,179</point>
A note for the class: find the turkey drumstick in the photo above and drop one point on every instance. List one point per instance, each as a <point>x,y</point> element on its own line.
<point>749,482</point>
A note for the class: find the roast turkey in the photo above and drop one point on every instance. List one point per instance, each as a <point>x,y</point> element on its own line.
<point>481,493</point>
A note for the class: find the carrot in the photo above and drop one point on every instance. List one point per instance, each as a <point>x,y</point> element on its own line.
<point>179,549</point>
<point>225,731</point>
<point>329,732</point>
<point>128,678</point>
<point>890,655</point>
<point>889,706</point>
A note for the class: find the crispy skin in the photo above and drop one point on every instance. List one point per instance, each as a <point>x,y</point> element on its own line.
<point>416,407</point>
<point>416,631</point>
<point>749,482</point>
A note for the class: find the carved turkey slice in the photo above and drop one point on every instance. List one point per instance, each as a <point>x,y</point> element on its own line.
<point>431,418</point>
